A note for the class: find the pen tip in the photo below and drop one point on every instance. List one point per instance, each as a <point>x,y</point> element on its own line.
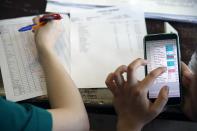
<point>19,30</point>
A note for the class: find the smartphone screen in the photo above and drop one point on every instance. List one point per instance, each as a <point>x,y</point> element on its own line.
<point>163,53</point>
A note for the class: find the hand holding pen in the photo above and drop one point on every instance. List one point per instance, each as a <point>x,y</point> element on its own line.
<point>42,21</point>
<point>46,36</point>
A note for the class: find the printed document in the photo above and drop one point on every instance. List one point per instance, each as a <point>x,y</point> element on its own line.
<point>22,73</point>
<point>93,44</point>
<point>101,43</point>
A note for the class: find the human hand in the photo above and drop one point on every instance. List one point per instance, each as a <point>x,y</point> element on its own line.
<point>190,92</point>
<point>46,36</point>
<point>133,108</point>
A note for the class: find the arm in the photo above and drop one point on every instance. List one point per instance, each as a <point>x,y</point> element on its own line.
<point>67,106</point>
<point>190,92</point>
<point>133,108</point>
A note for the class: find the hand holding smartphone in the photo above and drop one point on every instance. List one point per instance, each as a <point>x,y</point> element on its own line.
<point>163,50</point>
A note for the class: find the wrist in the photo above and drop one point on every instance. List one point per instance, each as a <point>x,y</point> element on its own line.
<point>45,54</point>
<point>43,45</point>
<point>125,124</point>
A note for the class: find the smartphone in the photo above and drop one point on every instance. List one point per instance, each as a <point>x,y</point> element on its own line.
<point>163,50</point>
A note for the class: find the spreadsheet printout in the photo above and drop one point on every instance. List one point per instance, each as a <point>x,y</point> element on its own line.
<point>102,43</point>
<point>22,73</point>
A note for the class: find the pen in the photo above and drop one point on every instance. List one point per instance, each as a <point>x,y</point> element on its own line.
<point>43,20</point>
<point>32,27</point>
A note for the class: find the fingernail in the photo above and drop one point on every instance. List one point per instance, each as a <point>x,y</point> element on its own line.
<point>165,69</point>
<point>145,62</point>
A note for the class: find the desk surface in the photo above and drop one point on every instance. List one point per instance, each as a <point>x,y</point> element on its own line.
<point>188,41</point>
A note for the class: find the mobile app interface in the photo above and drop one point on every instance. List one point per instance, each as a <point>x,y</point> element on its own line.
<point>163,53</point>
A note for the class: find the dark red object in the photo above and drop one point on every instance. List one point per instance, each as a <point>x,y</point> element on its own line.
<point>50,17</point>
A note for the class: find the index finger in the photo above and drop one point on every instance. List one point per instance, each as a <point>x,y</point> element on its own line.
<point>36,20</point>
<point>111,84</point>
<point>150,78</point>
<point>132,68</point>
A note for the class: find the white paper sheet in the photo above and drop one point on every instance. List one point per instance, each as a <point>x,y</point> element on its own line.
<point>99,46</point>
<point>103,14</point>
<point>169,28</point>
<point>173,10</point>
<point>92,2</point>
<point>23,76</point>
<point>62,9</point>
<point>173,7</point>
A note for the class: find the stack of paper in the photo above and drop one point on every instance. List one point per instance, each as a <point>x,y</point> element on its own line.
<point>179,10</point>
<point>176,10</point>
<point>93,45</point>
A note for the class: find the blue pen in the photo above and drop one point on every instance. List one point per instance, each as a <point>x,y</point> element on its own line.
<point>26,28</point>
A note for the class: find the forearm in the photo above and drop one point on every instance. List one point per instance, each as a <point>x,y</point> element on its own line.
<point>62,92</point>
<point>67,106</point>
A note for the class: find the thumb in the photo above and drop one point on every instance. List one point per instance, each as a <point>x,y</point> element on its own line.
<point>187,78</point>
<point>161,101</point>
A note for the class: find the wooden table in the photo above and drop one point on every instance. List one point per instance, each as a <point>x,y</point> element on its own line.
<point>100,97</point>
